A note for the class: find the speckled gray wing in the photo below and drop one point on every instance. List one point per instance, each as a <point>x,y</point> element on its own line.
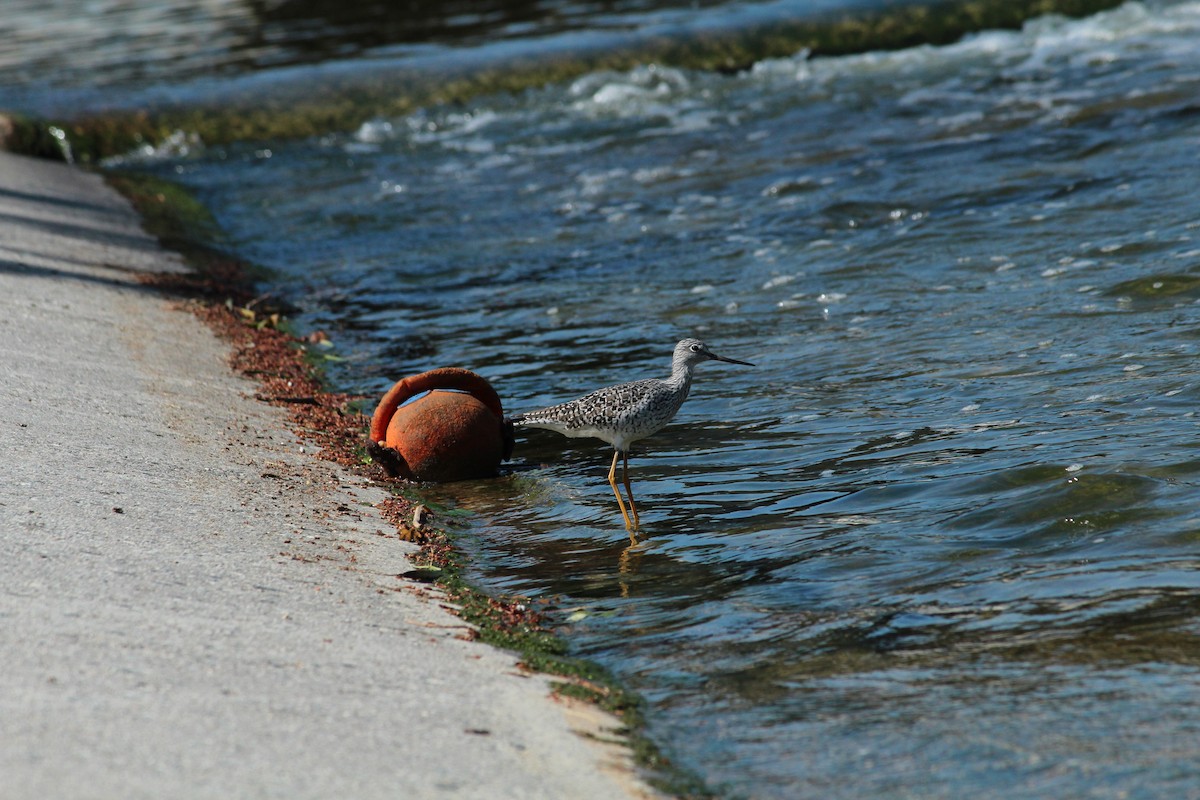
<point>627,411</point>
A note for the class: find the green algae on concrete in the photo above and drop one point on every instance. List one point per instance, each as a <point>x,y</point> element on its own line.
<point>315,101</point>
<point>27,136</point>
<point>1153,287</point>
<point>515,624</point>
<point>184,225</point>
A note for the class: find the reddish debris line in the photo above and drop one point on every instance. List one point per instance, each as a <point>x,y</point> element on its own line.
<point>277,361</point>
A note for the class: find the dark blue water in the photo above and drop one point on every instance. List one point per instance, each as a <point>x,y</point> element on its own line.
<point>942,540</point>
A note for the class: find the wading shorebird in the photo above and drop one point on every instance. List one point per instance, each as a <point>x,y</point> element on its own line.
<point>627,412</point>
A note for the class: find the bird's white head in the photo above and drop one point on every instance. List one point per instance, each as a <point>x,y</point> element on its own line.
<point>690,352</point>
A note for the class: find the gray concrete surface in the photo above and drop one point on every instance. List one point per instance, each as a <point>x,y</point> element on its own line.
<point>189,605</point>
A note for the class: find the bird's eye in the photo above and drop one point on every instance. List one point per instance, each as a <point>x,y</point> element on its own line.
<point>695,348</point>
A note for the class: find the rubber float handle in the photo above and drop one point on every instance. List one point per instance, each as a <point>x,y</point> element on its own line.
<point>455,378</point>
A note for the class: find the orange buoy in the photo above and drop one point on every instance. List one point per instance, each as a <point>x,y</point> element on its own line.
<point>456,431</point>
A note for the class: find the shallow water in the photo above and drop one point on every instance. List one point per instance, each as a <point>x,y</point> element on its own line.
<point>941,541</point>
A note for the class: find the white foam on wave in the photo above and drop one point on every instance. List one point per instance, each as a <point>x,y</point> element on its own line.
<point>1045,43</point>
<point>375,131</point>
<point>779,280</point>
<point>671,97</point>
<point>179,144</point>
<point>926,76</point>
<point>628,92</point>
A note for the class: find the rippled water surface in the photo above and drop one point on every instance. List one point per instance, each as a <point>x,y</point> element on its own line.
<point>942,540</point>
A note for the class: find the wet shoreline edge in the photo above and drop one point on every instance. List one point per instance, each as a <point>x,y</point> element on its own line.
<point>144,301</point>
<point>219,291</point>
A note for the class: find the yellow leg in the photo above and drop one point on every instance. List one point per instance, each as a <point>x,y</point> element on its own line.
<point>629,493</point>
<point>612,481</point>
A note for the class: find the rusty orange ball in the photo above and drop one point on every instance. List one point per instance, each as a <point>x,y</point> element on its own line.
<point>454,432</point>
<point>446,436</point>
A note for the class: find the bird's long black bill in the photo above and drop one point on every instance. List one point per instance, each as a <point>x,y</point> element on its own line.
<point>732,360</point>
